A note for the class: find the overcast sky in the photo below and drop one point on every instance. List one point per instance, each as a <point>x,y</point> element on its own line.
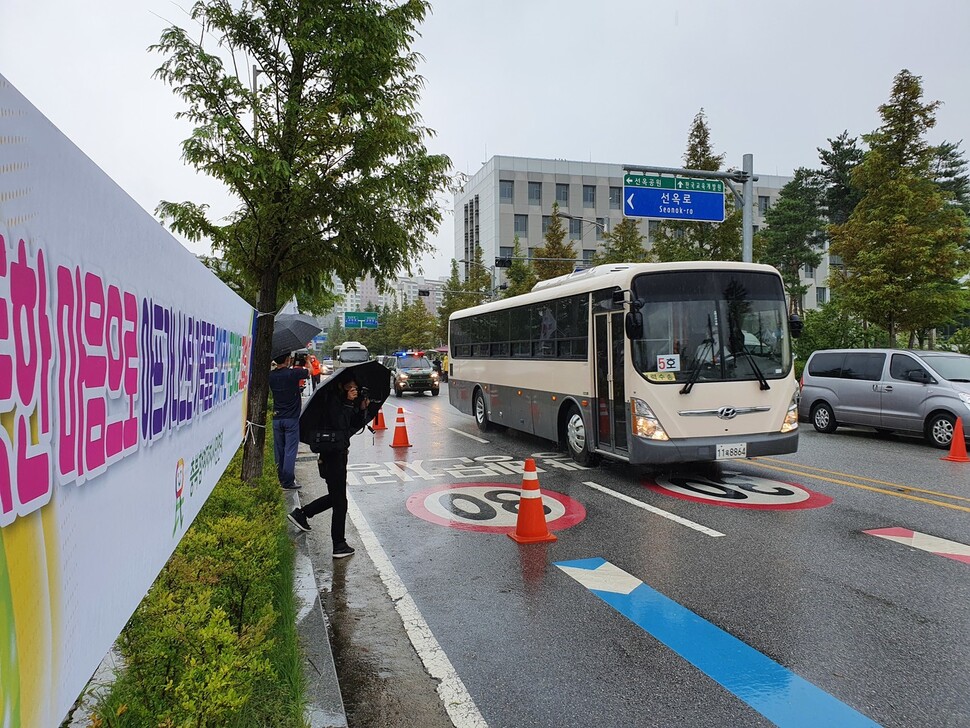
<point>612,81</point>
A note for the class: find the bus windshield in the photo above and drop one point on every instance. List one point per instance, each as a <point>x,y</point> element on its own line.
<point>711,326</point>
<point>353,356</point>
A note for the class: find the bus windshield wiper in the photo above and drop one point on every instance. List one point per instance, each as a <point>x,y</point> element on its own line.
<point>754,365</point>
<point>698,365</point>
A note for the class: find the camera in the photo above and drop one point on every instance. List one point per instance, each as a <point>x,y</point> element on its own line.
<point>363,392</point>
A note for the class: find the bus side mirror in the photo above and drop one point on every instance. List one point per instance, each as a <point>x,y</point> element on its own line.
<point>634,324</point>
<point>795,325</point>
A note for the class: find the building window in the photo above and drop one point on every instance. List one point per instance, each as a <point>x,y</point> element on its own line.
<point>535,193</point>
<point>601,228</point>
<point>506,189</point>
<point>506,251</point>
<point>589,196</point>
<point>616,198</point>
<point>809,271</point>
<point>764,202</point>
<point>588,255</point>
<point>562,194</point>
<point>532,254</point>
<point>546,219</point>
<point>522,226</point>
<point>653,227</point>
<point>820,293</point>
<point>575,229</point>
<point>835,261</point>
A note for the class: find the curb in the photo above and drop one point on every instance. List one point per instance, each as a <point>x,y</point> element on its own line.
<point>325,706</point>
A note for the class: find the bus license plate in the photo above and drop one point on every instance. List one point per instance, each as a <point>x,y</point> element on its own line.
<point>732,450</point>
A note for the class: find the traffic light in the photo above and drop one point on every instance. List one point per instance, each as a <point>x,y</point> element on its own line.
<point>424,291</point>
<point>503,262</point>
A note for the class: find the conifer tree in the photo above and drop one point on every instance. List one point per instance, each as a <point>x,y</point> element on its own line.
<point>794,236</point>
<point>452,299</point>
<point>556,257</point>
<point>624,244</point>
<point>685,240</point>
<point>520,275</point>
<point>902,245</point>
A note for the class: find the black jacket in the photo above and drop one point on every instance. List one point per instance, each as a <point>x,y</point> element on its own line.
<point>345,416</point>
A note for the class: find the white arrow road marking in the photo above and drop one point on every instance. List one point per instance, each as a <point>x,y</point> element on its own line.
<point>606,577</point>
<point>471,437</point>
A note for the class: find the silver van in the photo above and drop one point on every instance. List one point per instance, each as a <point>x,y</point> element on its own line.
<point>890,390</point>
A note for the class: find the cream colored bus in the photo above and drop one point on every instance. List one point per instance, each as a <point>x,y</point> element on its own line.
<point>647,363</point>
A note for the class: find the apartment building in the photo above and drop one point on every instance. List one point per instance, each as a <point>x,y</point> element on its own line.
<point>512,196</point>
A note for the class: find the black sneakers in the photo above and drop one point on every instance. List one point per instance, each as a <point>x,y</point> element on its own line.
<point>342,550</point>
<point>295,486</point>
<point>299,520</point>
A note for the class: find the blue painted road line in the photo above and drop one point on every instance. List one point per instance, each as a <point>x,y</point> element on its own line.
<point>777,693</point>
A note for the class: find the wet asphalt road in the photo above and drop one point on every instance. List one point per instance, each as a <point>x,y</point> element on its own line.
<point>879,628</point>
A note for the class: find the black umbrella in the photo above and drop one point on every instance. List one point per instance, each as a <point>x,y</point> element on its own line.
<point>374,381</point>
<point>292,331</point>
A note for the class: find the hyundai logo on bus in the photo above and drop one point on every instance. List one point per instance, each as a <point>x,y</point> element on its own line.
<point>727,413</point>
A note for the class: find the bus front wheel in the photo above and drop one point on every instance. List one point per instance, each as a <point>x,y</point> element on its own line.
<point>577,442</point>
<point>481,412</point>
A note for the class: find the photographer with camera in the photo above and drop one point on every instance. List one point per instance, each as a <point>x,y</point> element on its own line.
<point>345,414</point>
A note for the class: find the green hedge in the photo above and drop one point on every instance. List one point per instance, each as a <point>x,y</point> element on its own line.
<point>214,641</point>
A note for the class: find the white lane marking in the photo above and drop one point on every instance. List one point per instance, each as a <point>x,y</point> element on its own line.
<point>657,511</point>
<point>606,577</point>
<point>471,437</point>
<point>455,697</point>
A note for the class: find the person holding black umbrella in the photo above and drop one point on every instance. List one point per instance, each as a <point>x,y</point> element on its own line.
<point>284,382</point>
<point>344,415</point>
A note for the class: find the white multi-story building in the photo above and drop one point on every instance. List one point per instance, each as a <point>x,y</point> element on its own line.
<point>403,291</point>
<point>512,196</point>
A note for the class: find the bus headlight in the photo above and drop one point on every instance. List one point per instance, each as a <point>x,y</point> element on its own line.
<point>791,416</point>
<point>645,422</point>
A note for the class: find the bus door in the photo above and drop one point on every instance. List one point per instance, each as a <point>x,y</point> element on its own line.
<point>610,412</point>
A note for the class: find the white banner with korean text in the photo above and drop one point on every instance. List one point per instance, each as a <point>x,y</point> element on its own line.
<point>124,366</point>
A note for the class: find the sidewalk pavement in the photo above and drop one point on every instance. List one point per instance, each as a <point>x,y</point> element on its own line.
<point>325,707</point>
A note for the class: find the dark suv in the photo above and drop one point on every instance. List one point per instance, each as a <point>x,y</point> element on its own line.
<point>413,373</point>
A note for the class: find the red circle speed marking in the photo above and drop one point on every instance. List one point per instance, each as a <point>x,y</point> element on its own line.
<point>738,490</point>
<point>489,507</point>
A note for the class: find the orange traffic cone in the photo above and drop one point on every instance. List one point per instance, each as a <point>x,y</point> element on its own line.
<point>958,448</point>
<point>379,422</point>
<point>530,525</point>
<point>400,431</point>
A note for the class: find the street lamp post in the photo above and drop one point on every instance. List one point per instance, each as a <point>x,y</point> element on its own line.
<point>595,223</point>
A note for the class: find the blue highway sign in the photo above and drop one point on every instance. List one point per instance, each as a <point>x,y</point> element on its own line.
<point>673,204</point>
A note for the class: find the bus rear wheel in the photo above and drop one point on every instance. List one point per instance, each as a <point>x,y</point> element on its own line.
<point>577,442</point>
<point>481,412</point>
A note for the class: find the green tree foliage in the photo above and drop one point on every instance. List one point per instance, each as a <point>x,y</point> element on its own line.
<point>451,300</point>
<point>330,167</point>
<point>556,256</point>
<point>478,287</point>
<point>832,327</point>
<point>417,327</point>
<point>949,169</point>
<point>678,240</point>
<point>838,161</point>
<point>336,334</point>
<point>624,244</point>
<point>902,244</point>
<point>520,275</point>
<point>794,234</point>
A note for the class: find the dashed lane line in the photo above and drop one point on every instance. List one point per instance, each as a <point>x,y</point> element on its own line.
<point>470,437</point>
<point>653,509</point>
<point>454,696</point>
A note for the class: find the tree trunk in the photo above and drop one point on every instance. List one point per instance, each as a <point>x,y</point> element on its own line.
<point>252,463</point>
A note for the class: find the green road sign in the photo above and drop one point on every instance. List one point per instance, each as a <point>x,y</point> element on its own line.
<point>686,184</point>
<point>360,320</point>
